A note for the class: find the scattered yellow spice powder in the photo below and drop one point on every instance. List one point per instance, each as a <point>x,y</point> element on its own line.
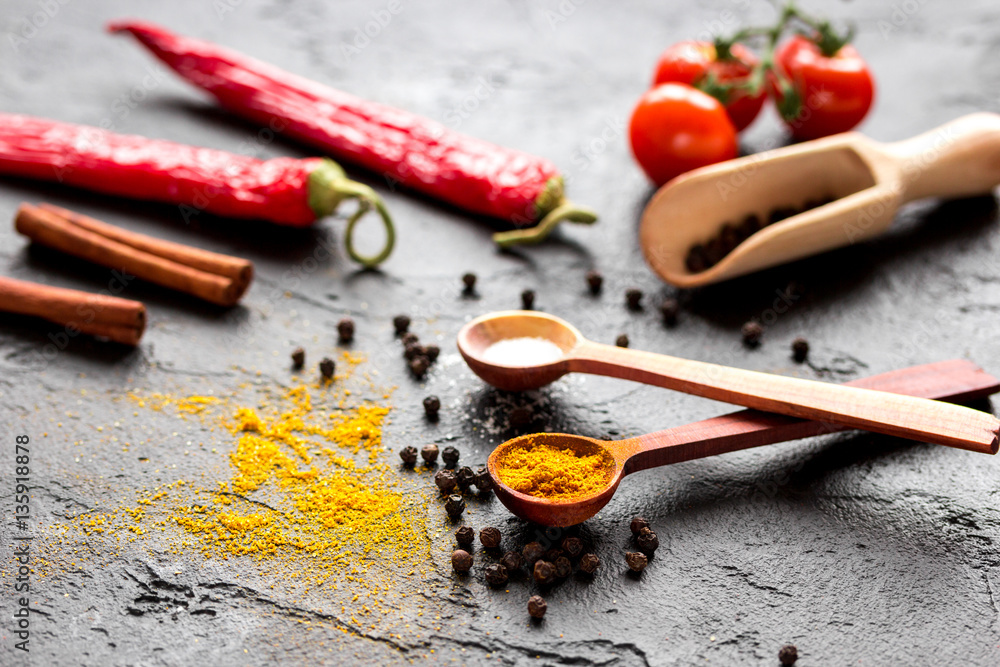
<point>548,471</point>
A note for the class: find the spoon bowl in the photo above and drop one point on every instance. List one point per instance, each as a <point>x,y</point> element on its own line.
<point>554,511</point>
<point>477,336</point>
<point>956,380</point>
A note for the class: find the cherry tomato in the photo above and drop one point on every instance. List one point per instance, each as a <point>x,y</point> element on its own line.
<point>835,92</point>
<point>690,61</point>
<point>676,128</point>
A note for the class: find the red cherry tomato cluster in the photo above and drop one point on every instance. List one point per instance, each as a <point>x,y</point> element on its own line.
<point>704,93</point>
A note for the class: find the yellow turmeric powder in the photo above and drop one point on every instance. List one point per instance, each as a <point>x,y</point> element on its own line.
<point>548,471</point>
<point>307,492</point>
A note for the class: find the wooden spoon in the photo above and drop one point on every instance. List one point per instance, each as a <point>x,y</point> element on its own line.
<point>956,380</point>
<point>868,180</point>
<point>891,414</point>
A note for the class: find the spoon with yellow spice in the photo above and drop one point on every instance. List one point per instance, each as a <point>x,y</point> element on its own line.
<point>557,479</point>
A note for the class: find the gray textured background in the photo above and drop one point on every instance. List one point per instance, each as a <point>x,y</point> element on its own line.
<point>859,549</point>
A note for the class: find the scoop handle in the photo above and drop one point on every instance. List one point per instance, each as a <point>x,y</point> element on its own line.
<point>955,380</point>
<point>957,159</point>
<point>881,412</point>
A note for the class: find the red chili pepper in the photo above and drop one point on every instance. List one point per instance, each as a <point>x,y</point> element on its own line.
<point>282,190</point>
<point>419,153</point>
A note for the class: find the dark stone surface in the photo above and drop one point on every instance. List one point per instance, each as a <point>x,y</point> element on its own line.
<point>857,548</point>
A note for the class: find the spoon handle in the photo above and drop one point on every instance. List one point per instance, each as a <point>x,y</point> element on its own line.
<point>955,380</point>
<point>957,159</point>
<point>881,412</point>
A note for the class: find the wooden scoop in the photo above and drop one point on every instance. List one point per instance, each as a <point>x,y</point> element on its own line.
<point>891,414</point>
<point>868,180</point>
<point>956,380</point>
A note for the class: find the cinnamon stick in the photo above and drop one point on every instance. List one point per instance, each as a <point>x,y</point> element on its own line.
<point>216,278</point>
<point>237,268</point>
<point>120,320</point>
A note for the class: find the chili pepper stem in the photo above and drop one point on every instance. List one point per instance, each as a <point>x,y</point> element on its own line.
<point>328,187</point>
<point>565,211</point>
<point>553,207</point>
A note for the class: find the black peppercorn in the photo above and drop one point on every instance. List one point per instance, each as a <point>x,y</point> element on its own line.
<point>496,574</point>
<point>345,330</point>
<point>714,251</point>
<point>594,281</point>
<point>544,572</point>
<point>788,655</point>
<point>636,561</point>
<point>563,567</point>
<point>454,506</point>
<point>730,237</point>
<point>490,537</point>
<point>419,366</point>
<point>429,453</point>
<point>800,349</point>
<point>779,214</point>
<point>527,299</point>
<point>669,310</point>
<point>551,554</point>
<point>647,541</point>
<point>465,536</point>
<point>326,367</point>
<point>520,416</point>
<point>696,260</point>
<point>621,341</point>
<point>432,352</point>
<point>633,298</point>
<point>409,455</point>
<point>410,338</point>
<point>589,563</point>
<point>445,480</point>
<point>449,455</point>
<point>298,357</point>
<point>465,477</point>
<point>412,350</point>
<point>401,323</point>
<point>512,561</point>
<point>752,333</point>
<point>432,404</point>
<point>532,551</point>
<point>573,546</point>
<point>638,523</point>
<point>536,606</point>
<point>483,480</point>
<point>461,561</point>
<point>469,280</point>
<point>750,225</point>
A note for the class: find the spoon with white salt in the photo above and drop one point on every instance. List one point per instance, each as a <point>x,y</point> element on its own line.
<point>518,350</point>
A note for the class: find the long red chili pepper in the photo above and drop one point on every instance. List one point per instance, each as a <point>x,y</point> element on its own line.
<point>419,153</point>
<point>287,191</point>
